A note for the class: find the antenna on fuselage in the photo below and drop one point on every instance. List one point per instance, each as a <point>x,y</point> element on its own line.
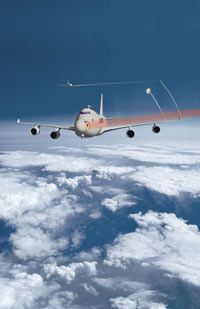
<point>101,105</point>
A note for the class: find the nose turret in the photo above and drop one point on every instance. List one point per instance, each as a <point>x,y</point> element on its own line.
<point>81,126</point>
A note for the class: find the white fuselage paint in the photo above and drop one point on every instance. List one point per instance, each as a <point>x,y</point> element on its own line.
<point>80,125</point>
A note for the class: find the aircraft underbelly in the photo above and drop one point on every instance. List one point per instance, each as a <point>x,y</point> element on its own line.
<point>93,132</point>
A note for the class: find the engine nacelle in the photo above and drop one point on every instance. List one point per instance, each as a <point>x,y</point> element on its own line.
<point>35,130</point>
<point>130,133</point>
<point>55,134</point>
<point>156,129</point>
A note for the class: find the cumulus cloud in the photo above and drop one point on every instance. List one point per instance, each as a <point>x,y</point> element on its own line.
<point>95,215</point>
<point>37,209</point>
<point>21,291</point>
<point>170,154</point>
<point>163,241</point>
<point>76,181</point>
<point>108,172</point>
<point>166,180</point>
<point>49,200</point>
<point>89,289</point>
<point>50,162</point>
<point>91,255</point>
<point>118,201</point>
<point>141,295</point>
<point>119,283</point>
<point>31,242</point>
<point>140,300</point>
<point>40,207</point>
<point>60,300</point>
<point>76,238</point>
<point>23,192</point>
<point>68,273</point>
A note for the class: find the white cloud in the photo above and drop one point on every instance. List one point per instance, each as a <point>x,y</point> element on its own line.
<point>43,203</point>
<point>118,201</point>
<point>170,153</point>
<point>50,162</point>
<point>89,289</point>
<point>108,172</point>
<point>69,272</point>
<point>23,192</point>
<point>166,180</point>
<point>95,215</point>
<point>138,300</point>
<point>76,181</point>
<point>76,238</point>
<point>99,189</point>
<point>31,242</point>
<point>162,240</point>
<point>21,291</point>
<point>60,300</point>
<point>123,303</point>
<point>37,209</point>
<point>54,216</point>
<point>91,255</point>
<point>141,295</point>
<point>119,283</point>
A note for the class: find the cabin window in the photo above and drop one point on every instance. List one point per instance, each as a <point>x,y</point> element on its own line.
<point>85,113</point>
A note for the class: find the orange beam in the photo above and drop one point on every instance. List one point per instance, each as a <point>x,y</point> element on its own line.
<point>135,120</point>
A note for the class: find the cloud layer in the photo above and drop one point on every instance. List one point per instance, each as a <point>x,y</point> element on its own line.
<point>69,222</point>
<point>162,240</point>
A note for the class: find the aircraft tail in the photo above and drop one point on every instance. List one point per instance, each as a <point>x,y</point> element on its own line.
<point>101,105</point>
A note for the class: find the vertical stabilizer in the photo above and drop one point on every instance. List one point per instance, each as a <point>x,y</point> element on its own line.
<point>101,105</point>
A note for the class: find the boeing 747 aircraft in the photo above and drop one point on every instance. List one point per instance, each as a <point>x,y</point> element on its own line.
<point>88,123</point>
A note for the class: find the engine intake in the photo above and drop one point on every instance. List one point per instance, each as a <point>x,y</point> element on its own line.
<point>130,133</point>
<point>156,129</point>
<point>55,134</point>
<point>35,130</point>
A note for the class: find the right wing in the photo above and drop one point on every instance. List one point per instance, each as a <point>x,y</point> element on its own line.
<point>110,124</point>
<point>46,125</point>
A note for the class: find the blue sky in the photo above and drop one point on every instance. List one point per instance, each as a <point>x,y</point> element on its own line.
<point>45,43</point>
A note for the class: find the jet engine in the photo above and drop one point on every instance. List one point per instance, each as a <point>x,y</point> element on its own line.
<point>156,129</point>
<point>130,133</point>
<point>55,134</point>
<point>35,130</point>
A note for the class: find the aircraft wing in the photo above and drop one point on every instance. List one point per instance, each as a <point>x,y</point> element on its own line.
<point>46,125</point>
<point>110,124</point>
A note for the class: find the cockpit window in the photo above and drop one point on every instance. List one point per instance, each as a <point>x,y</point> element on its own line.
<point>84,113</point>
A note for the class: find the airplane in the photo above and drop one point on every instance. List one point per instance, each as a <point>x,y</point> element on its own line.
<point>88,123</point>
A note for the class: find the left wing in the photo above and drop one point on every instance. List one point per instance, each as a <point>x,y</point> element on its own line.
<point>36,124</point>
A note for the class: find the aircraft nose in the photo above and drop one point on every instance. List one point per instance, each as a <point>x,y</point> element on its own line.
<point>81,126</point>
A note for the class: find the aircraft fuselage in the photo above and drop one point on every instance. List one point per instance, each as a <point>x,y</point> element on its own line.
<point>81,127</point>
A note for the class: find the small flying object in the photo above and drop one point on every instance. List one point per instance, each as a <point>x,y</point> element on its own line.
<point>88,123</point>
